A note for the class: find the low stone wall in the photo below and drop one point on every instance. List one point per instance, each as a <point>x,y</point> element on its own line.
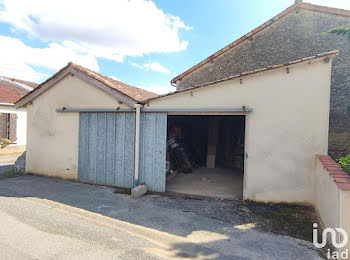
<point>332,195</point>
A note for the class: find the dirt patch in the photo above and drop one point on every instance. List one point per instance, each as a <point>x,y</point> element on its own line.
<point>284,219</point>
<point>122,191</point>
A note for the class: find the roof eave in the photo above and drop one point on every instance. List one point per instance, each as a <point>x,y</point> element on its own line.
<point>6,104</point>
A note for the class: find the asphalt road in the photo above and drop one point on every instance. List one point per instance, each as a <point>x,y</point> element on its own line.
<point>44,218</point>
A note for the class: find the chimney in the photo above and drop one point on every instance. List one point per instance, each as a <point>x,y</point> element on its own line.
<point>298,2</point>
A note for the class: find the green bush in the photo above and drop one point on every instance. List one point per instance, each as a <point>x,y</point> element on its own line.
<point>344,162</point>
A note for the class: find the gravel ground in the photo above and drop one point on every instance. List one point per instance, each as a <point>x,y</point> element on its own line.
<point>283,219</point>
<point>45,218</point>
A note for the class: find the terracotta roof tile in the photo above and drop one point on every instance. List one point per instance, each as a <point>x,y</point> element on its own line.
<point>24,82</point>
<point>306,6</point>
<point>135,93</point>
<point>10,92</point>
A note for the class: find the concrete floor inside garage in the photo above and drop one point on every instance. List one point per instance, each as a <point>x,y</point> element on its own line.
<point>206,156</point>
<point>213,183</point>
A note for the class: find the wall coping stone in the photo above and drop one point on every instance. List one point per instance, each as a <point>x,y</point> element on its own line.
<point>340,177</point>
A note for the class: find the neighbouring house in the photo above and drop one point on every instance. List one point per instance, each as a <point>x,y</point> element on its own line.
<point>13,122</point>
<point>300,31</point>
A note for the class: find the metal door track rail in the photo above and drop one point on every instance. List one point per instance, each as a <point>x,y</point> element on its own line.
<point>116,110</point>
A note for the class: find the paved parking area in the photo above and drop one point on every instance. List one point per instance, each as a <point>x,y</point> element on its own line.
<point>51,218</point>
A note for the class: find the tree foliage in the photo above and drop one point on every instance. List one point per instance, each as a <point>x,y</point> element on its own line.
<point>344,162</point>
<point>343,31</point>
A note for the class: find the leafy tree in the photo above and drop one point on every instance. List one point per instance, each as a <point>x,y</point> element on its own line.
<point>343,31</point>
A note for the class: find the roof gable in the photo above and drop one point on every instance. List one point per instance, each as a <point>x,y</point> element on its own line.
<point>247,36</point>
<point>125,93</point>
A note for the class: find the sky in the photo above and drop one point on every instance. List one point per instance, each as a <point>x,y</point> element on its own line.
<point>142,43</point>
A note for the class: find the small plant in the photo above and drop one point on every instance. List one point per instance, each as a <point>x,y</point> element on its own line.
<point>344,162</point>
<point>5,142</point>
<point>9,174</point>
<point>343,31</point>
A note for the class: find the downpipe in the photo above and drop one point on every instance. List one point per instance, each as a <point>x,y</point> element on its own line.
<point>137,144</point>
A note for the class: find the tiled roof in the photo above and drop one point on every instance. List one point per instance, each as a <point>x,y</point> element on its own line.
<point>28,83</point>
<point>306,6</point>
<point>135,93</point>
<point>10,92</point>
<point>272,67</point>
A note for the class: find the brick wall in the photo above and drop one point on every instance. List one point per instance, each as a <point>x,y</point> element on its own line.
<point>299,34</point>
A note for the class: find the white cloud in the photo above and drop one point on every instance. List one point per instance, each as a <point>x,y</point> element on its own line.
<point>154,66</point>
<point>16,58</point>
<point>343,4</point>
<point>159,89</point>
<point>108,29</point>
<point>137,65</point>
<point>19,70</point>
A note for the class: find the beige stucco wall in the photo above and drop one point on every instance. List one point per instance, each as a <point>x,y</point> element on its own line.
<point>287,128</point>
<point>53,137</point>
<point>327,197</point>
<point>345,214</point>
<point>331,203</point>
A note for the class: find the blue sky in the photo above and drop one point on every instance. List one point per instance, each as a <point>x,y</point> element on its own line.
<point>142,43</point>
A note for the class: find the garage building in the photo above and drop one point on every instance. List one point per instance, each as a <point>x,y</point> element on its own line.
<point>252,136</point>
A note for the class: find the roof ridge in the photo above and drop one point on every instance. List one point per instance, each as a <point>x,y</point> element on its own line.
<point>16,82</point>
<point>246,36</point>
<point>246,73</point>
<point>131,93</point>
<point>325,9</point>
<point>83,69</point>
<point>10,91</point>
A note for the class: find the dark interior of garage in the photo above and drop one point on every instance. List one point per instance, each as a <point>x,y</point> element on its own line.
<point>205,155</point>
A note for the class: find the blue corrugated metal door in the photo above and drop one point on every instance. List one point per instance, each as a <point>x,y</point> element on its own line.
<point>153,150</point>
<point>106,148</point>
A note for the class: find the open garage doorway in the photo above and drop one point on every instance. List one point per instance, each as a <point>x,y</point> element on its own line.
<point>205,155</point>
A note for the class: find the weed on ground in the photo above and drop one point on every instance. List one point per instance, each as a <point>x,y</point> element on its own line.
<point>9,174</point>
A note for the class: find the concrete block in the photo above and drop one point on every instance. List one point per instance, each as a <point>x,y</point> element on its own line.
<point>138,191</point>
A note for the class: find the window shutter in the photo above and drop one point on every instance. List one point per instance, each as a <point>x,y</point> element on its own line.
<point>3,125</point>
<point>13,128</point>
